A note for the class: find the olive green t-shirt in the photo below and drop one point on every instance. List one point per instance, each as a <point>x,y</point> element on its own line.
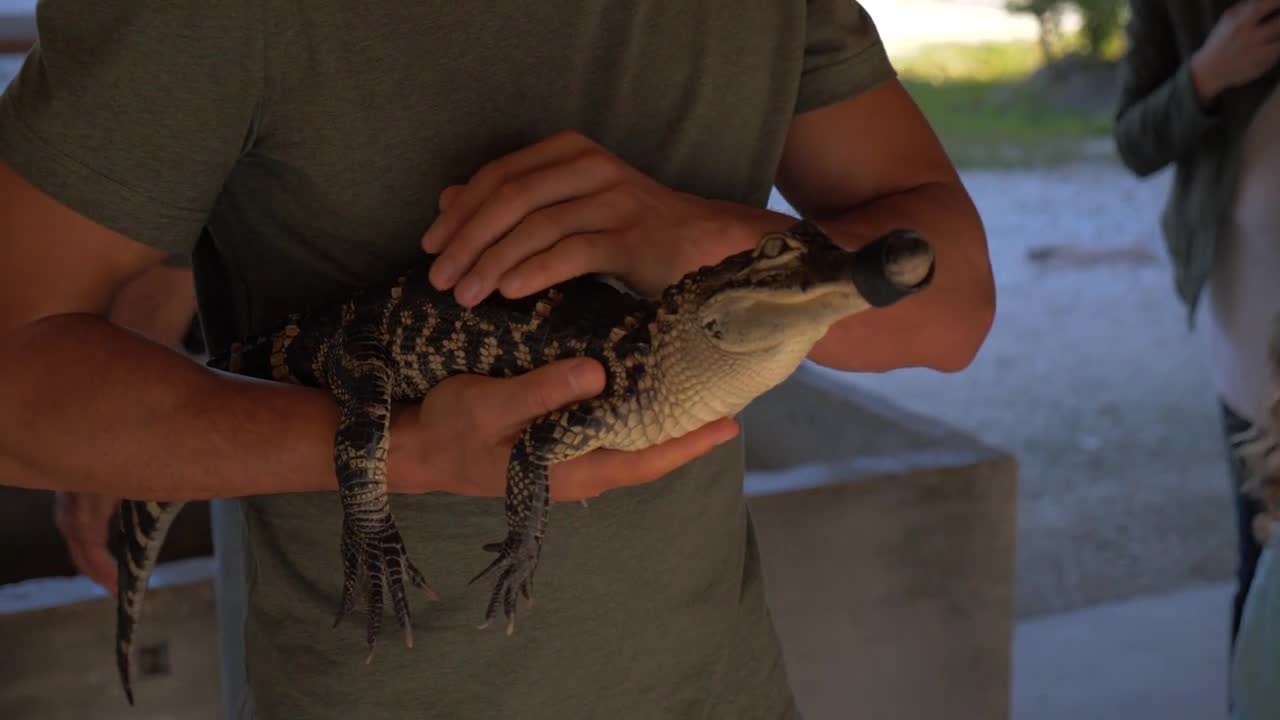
<point>295,151</point>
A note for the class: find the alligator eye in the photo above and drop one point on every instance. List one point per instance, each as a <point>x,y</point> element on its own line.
<point>772,245</point>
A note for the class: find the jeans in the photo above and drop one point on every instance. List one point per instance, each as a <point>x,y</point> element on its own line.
<point>1255,668</point>
<point>1248,549</point>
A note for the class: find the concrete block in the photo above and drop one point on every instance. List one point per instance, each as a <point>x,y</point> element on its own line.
<point>888,549</point>
<point>59,638</point>
<point>887,542</point>
<point>17,25</point>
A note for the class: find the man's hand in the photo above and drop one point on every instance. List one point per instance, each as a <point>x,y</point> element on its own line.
<point>460,438</point>
<point>83,519</point>
<point>565,207</point>
<point>1244,44</point>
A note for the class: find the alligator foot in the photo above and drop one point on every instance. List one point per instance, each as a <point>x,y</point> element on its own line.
<point>517,562</point>
<point>372,563</point>
<point>528,503</point>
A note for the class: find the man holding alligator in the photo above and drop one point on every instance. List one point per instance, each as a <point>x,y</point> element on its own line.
<point>298,152</point>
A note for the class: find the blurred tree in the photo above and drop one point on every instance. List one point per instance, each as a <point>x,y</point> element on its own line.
<point>1101,23</point>
<point>1048,14</point>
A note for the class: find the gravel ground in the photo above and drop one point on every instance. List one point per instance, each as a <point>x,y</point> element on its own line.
<point>1091,379</point>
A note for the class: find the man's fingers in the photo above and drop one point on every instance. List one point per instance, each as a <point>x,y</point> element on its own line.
<point>448,195</point>
<point>99,565</point>
<point>1270,33</point>
<point>569,258</point>
<point>512,403</point>
<point>603,470</point>
<point>540,230</point>
<point>1261,8</point>
<point>486,180</point>
<point>512,202</point>
<point>91,558</point>
<point>75,551</point>
<point>659,460</point>
<point>84,520</point>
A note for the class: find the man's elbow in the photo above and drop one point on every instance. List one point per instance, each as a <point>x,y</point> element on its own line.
<point>968,324</point>
<point>965,307</point>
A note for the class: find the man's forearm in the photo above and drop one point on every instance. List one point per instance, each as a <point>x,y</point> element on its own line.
<point>88,406</point>
<point>941,328</point>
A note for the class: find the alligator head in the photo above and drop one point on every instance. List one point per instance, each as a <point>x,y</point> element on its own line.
<point>794,285</point>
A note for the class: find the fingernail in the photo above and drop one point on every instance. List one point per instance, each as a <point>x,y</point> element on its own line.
<point>441,274</point>
<point>431,238</point>
<point>584,377</point>
<point>436,238</point>
<point>469,290</point>
<point>729,432</point>
<point>514,286</point>
<point>446,197</point>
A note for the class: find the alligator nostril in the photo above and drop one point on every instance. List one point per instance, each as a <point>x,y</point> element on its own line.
<point>891,267</point>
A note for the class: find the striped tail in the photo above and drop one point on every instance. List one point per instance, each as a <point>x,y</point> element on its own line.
<point>143,526</point>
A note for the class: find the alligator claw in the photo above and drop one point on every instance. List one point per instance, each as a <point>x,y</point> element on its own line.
<point>517,562</point>
<point>371,564</point>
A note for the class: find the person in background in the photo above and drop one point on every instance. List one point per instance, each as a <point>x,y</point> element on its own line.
<point>1255,680</point>
<point>1197,92</point>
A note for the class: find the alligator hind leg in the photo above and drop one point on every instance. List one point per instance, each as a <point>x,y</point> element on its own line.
<point>142,529</point>
<point>528,503</point>
<point>373,552</point>
<point>554,438</point>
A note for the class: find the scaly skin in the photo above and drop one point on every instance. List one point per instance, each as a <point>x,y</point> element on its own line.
<point>714,341</point>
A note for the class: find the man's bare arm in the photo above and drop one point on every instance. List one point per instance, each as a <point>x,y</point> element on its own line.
<point>159,304</point>
<point>88,406</point>
<point>866,165</point>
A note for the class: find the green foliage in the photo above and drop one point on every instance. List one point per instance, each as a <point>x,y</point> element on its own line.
<point>1103,21</point>
<point>1048,15</point>
<point>1102,24</point>
<point>982,61</point>
<point>974,97</point>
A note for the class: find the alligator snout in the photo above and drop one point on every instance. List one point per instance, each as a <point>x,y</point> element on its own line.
<point>893,266</point>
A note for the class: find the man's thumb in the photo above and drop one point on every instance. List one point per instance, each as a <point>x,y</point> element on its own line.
<point>547,389</point>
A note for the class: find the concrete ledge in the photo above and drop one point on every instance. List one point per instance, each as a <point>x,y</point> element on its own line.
<point>59,635</point>
<point>887,541</point>
<point>888,550</point>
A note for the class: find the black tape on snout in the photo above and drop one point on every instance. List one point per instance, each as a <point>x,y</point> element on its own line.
<point>870,265</point>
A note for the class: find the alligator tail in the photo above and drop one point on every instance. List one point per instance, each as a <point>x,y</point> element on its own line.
<point>142,529</point>
<point>249,357</point>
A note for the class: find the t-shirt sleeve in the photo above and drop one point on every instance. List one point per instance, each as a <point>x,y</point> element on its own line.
<point>844,55</point>
<point>133,112</point>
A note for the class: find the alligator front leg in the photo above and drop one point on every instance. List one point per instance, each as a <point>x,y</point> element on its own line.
<point>373,552</point>
<point>554,438</point>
